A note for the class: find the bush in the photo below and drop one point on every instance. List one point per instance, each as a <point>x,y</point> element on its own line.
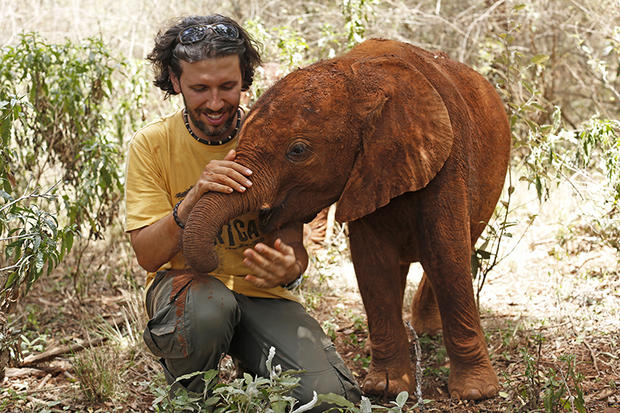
<point>257,394</point>
<point>64,111</point>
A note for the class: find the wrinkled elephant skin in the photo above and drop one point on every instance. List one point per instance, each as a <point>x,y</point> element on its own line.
<point>414,149</point>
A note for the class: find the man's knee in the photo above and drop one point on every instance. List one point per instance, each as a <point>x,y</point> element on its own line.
<point>194,326</point>
<point>338,380</point>
<point>212,311</point>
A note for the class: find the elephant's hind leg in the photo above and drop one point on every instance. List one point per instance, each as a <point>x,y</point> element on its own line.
<point>446,260</point>
<point>425,317</point>
<point>471,374</point>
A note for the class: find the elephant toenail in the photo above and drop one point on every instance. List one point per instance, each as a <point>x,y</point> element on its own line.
<point>474,394</point>
<point>491,391</point>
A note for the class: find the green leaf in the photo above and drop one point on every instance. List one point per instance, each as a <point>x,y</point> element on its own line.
<point>248,378</point>
<point>51,224</point>
<point>209,376</point>
<point>188,376</point>
<point>10,282</point>
<point>539,59</point>
<point>39,262</point>
<point>475,265</point>
<point>401,398</point>
<point>484,254</point>
<point>67,241</point>
<point>7,187</point>
<point>365,406</point>
<point>5,195</point>
<point>36,242</point>
<point>335,399</point>
<point>211,401</point>
<point>279,406</point>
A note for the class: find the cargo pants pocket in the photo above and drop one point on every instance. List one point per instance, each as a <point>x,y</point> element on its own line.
<point>352,391</point>
<point>167,334</point>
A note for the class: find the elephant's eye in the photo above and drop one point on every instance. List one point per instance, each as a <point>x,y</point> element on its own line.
<point>298,151</point>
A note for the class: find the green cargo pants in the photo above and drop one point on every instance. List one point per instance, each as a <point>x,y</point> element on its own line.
<point>194,320</point>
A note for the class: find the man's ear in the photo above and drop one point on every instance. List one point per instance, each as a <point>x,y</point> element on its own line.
<point>176,83</point>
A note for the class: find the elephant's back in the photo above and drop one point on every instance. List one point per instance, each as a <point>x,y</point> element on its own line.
<point>479,121</point>
<point>479,112</point>
<point>490,141</point>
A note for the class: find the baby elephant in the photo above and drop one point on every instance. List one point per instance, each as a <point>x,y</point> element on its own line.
<point>414,148</point>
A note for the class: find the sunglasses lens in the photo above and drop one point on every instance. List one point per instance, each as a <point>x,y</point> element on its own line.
<point>195,34</point>
<point>192,34</point>
<point>225,30</point>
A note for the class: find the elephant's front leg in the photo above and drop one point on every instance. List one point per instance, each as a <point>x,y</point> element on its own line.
<point>378,272</point>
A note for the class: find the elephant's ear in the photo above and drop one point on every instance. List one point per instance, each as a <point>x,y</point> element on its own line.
<point>406,135</point>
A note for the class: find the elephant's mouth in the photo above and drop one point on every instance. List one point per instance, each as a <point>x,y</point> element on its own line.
<point>273,218</point>
<point>265,218</point>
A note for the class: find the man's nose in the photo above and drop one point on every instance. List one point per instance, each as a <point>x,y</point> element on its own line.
<point>214,101</point>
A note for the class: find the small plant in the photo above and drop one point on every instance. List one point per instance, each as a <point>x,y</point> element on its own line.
<point>562,390</point>
<point>62,122</point>
<point>247,394</point>
<point>257,394</point>
<point>330,327</point>
<point>553,389</point>
<point>486,256</point>
<point>433,346</point>
<point>356,14</point>
<point>364,360</point>
<point>531,390</point>
<point>8,397</point>
<point>36,345</point>
<point>98,373</point>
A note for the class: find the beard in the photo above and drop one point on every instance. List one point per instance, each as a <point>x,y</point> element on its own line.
<point>210,131</point>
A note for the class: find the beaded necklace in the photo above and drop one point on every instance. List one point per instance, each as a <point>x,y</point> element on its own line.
<point>206,142</point>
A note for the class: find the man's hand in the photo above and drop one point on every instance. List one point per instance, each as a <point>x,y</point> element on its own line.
<point>224,176</point>
<point>272,266</point>
<point>157,243</point>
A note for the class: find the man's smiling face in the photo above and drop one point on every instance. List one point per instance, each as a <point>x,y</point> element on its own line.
<point>211,90</point>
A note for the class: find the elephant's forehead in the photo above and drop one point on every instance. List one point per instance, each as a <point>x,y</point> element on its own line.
<point>305,93</point>
<point>304,101</point>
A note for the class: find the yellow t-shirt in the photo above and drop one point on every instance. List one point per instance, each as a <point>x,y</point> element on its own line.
<point>163,162</point>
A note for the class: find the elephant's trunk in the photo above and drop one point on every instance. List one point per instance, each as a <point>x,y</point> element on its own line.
<point>210,213</point>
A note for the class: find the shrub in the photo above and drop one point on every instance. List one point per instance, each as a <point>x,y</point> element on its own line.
<point>64,110</point>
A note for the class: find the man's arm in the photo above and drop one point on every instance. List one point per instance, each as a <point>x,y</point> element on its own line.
<point>281,264</point>
<point>156,244</point>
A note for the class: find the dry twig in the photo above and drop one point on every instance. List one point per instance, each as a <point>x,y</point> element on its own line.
<point>585,343</point>
<point>60,350</point>
<point>418,366</point>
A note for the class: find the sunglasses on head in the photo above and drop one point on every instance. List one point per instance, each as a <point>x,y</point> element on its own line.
<point>194,34</point>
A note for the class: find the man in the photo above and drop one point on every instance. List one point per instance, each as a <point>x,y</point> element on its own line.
<point>246,305</point>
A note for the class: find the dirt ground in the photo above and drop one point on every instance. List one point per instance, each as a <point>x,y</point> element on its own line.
<point>550,310</point>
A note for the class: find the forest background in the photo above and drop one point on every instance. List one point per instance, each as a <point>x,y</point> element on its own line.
<point>74,86</point>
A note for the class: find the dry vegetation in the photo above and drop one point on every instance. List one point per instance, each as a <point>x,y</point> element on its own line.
<point>550,307</point>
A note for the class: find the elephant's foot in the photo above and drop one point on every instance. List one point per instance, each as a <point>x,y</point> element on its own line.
<point>468,382</point>
<point>388,382</point>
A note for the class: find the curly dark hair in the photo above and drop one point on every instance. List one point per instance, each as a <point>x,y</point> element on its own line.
<point>168,51</point>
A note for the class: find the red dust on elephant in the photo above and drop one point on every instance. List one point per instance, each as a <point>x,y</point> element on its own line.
<point>414,148</point>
